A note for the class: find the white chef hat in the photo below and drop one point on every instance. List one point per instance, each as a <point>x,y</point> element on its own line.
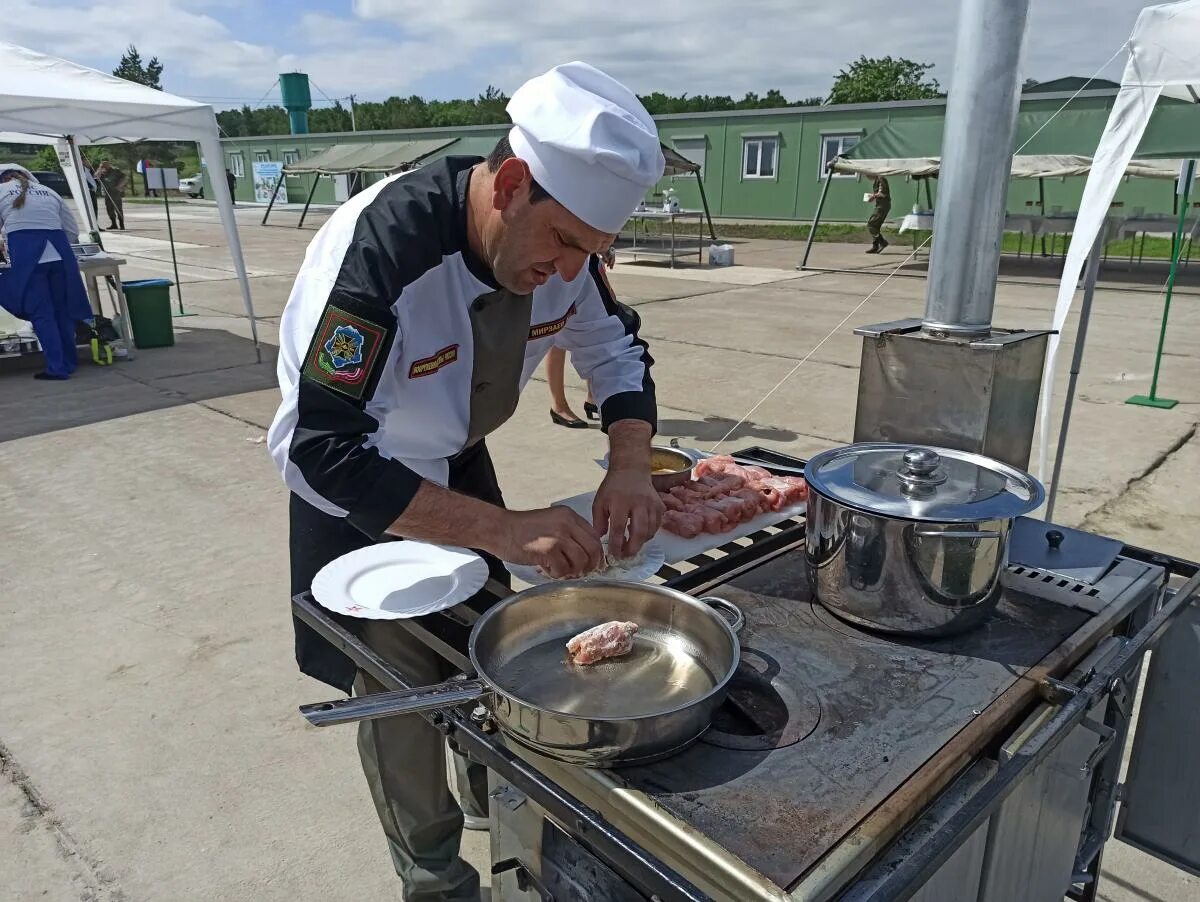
<point>588,141</point>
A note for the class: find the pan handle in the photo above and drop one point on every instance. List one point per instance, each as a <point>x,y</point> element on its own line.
<point>729,610</point>
<point>389,704</point>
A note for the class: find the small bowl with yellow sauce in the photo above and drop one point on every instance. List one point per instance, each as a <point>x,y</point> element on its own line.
<point>669,467</point>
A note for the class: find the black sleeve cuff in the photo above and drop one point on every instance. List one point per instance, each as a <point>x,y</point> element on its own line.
<point>630,405</point>
<point>382,502</point>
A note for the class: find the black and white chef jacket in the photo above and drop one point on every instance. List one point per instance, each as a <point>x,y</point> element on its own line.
<point>398,350</point>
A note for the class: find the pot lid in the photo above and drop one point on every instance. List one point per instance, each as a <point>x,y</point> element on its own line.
<point>915,482</point>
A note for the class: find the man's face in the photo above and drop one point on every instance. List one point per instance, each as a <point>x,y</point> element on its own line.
<point>526,242</point>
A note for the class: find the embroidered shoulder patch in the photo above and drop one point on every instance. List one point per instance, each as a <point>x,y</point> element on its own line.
<point>545,330</point>
<point>344,352</point>
<point>427,366</point>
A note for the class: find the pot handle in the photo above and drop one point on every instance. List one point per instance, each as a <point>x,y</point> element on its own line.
<point>388,704</point>
<point>956,534</point>
<point>729,610</point>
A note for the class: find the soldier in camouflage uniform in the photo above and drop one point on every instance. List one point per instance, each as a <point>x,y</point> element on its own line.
<point>882,195</point>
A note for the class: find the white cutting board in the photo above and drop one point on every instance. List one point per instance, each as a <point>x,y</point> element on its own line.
<point>675,548</point>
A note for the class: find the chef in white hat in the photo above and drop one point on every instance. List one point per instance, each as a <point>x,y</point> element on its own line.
<point>423,306</point>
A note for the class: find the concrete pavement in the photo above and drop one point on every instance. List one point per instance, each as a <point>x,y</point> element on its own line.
<point>148,736</point>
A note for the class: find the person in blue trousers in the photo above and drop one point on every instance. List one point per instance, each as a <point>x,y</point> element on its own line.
<point>42,284</point>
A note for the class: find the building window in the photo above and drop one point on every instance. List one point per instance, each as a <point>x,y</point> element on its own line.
<point>758,157</point>
<point>695,149</point>
<point>262,156</point>
<point>290,157</point>
<point>237,166</point>
<point>834,146</point>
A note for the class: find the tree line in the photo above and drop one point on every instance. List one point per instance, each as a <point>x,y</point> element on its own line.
<point>866,80</point>
<point>486,109</point>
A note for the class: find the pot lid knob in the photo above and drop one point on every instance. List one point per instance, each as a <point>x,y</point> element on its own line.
<point>921,462</point>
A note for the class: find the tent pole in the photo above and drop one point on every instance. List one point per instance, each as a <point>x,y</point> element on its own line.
<point>311,192</point>
<point>274,194</point>
<point>1042,207</point>
<point>928,193</point>
<point>171,235</point>
<point>1152,399</point>
<point>812,231</point>
<point>210,146</point>
<point>1090,277</point>
<point>712,233</point>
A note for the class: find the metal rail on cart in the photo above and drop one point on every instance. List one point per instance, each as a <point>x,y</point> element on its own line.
<point>447,634</point>
<point>911,874</point>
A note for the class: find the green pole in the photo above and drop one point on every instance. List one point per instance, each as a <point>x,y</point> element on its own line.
<point>1152,399</point>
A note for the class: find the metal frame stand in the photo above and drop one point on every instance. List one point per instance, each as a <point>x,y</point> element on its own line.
<point>812,229</point>
<point>307,203</point>
<point>712,232</point>
<point>1152,399</point>
<point>174,261</point>
<point>1091,276</point>
<point>274,194</point>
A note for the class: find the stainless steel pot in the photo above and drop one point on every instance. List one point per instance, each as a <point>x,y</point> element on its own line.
<point>911,540</point>
<point>646,705</point>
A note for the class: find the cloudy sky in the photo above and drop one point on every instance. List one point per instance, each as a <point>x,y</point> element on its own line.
<point>229,51</point>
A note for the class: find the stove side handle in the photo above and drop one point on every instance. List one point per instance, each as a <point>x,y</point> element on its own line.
<point>1161,794</point>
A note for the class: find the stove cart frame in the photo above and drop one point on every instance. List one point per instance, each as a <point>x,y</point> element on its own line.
<point>1095,700</point>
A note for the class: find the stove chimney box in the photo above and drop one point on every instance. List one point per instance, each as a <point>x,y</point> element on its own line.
<point>951,379</point>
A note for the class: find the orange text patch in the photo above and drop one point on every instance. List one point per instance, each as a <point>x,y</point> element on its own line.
<point>544,330</point>
<point>427,366</point>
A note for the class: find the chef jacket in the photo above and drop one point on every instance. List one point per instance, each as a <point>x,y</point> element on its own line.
<point>399,350</point>
<point>43,210</point>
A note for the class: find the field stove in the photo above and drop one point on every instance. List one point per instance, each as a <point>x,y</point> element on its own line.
<point>845,763</point>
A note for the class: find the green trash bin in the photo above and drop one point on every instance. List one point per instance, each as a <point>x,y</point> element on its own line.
<point>149,303</point>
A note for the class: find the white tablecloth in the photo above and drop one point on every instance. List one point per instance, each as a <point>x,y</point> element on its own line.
<point>1014,222</point>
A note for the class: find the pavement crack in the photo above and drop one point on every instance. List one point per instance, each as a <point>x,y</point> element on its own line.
<point>98,884</point>
<point>1110,506</point>
<point>183,396</point>
<point>777,356</point>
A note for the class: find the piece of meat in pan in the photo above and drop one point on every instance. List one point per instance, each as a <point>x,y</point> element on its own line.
<point>608,640</point>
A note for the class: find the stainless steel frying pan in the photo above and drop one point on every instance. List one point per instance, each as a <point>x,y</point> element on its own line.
<point>651,703</point>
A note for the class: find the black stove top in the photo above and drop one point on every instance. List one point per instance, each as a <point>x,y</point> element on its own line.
<point>828,721</point>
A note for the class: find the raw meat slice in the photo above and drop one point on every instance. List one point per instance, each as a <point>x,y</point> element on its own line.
<point>714,521</point>
<point>608,640</point>
<point>731,508</point>
<point>671,502</point>
<point>722,483</point>
<point>793,488</point>
<point>753,501</point>
<point>715,464</point>
<point>685,524</point>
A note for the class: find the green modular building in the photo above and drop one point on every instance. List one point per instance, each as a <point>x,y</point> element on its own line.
<point>770,164</point>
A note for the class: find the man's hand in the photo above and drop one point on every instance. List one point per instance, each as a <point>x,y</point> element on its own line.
<point>555,539</point>
<point>626,507</point>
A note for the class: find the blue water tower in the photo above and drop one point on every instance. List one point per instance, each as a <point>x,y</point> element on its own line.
<point>296,100</point>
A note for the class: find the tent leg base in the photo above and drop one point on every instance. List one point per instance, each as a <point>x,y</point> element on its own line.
<point>1147,401</point>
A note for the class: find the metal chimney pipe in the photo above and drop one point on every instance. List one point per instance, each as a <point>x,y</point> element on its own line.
<point>977,145</point>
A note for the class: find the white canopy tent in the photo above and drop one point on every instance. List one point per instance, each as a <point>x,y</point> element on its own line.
<point>46,100</point>
<point>1163,62</point>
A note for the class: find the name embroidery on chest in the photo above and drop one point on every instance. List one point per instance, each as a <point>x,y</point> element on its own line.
<point>427,366</point>
<point>545,330</point>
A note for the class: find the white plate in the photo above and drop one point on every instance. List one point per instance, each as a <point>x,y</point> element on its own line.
<point>396,580</point>
<point>652,558</point>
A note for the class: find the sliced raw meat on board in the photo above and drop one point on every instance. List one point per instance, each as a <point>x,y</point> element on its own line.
<point>608,640</point>
<point>723,494</point>
<point>682,523</point>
